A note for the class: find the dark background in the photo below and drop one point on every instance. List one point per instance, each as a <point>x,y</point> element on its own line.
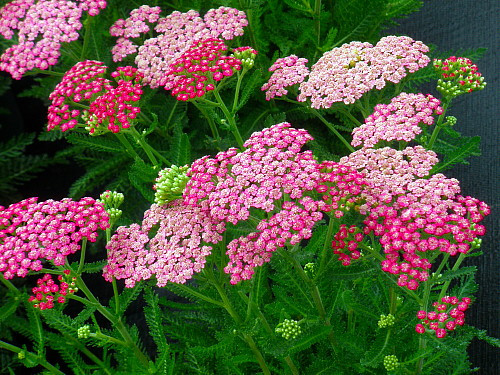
<point>451,25</point>
<point>466,24</point>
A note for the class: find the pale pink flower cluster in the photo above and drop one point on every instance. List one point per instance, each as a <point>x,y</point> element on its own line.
<point>447,316</point>
<point>345,73</point>
<point>177,248</point>
<point>31,232</point>
<point>289,226</point>
<point>287,71</point>
<point>175,34</point>
<point>46,24</point>
<point>132,27</point>
<point>399,120</point>
<point>232,182</point>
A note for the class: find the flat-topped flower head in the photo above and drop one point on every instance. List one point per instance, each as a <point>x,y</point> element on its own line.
<point>287,71</point>
<point>49,291</point>
<point>400,120</point>
<point>45,26</point>
<point>179,243</point>
<point>225,22</point>
<point>448,314</point>
<point>345,73</point>
<point>458,75</point>
<point>31,232</point>
<point>198,69</point>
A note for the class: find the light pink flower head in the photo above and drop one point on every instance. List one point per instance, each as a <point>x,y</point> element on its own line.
<point>287,71</point>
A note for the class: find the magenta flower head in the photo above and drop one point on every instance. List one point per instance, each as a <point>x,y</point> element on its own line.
<point>48,291</point>
<point>458,75</point>
<point>287,71</point>
<point>45,26</point>
<point>111,108</point>
<point>199,68</point>
<point>31,232</point>
<point>400,120</point>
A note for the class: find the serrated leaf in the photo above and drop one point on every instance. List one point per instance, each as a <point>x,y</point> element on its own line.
<point>303,6</point>
<point>142,177</point>
<point>314,335</point>
<point>463,271</point>
<point>465,148</point>
<point>102,143</point>
<point>15,146</point>
<point>329,40</point>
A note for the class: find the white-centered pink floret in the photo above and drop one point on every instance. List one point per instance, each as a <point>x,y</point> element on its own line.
<point>287,71</point>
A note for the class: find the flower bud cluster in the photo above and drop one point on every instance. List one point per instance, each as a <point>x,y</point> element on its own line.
<point>170,184</point>
<point>199,68</point>
<point>246,55</point>
<point>111,201</point>
<point>310,269</point>
<point>46,25</point>
<point>287,71</point>
<point>386,321</point>
<point>391,362</point>
<point>447,315</point>
<point>83,332</point>
<point>289,329</point>
<point>48,291</point>
<point>32,231</point>
<point>458,75</point>
<point>347,238</point>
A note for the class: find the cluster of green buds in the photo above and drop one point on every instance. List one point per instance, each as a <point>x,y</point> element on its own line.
<point>458,75</point>
<point>111,201</point>
<point>310,269</point>
<point>83,332</point>
<point>289,329</point>
<point>170,184</point>
<point>391,362</point>
<point>386,321</point>
<point>246,55</point>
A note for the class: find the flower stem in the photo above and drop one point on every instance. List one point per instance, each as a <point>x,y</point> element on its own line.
<point>31,356</point>
<point>237,90</point>
<point>123,139</point>
<point>439,124</point>
<point>332,129</point>
<point>230,119</point>
<point>145,146</point>
<point>9,285</point>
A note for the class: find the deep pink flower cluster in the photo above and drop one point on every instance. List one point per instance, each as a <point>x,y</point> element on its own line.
<point>345,243</point>
<point>177,248</point>
<point>47,290</point>
<point>195,72</point>
<point>289,226</point>
<point>31,232</point>
<point>399,120</point>
<point>447,315</point>
<point>46,24</point>
<point>175,34</point>
<point>82,82</point>
<point>228,185</point>
<point>458,76</point>
<point>111,108</point>
<point>347,72</point>
<point>287,71</point>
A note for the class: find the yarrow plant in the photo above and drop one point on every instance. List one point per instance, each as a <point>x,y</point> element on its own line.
<point>267,203</point>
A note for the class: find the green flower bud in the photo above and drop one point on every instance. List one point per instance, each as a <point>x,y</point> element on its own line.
<point>386,321</point>
<point>111,199</point>
<point>83,332</point>
<point>310,269</point>
<point>289,329</point>
<point>170,184</point>
<point>246,55</point>
<point>391,362</point>
<point>451,120</point>
<point>21,354</point>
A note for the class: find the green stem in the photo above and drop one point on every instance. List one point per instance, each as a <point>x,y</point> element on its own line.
<point>237,91</point>
<point>230,119</point>
<point>213,128</point>
<point>199,295</point>
<point>457,264</point>
<point>9,285</point>
<point>102,336</point>
<point>326,247</point>
<point>439,123</point>
<point>117,297</point>
<point>82,256</point>
<point>88,27</point>
<point>317,20</point>
<point>88,353</point>
<point>31,356</point>
<point>332,129</point>
<point>145,146</point>
<point>124,141</point>
<point>351,117</point>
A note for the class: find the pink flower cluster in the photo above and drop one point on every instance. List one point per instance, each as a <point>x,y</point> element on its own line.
<point>347,72</point>
<point>177,248</point>
<point>347,238</point>
<point>399,120</point>
<point>176,33</point>
<point>287,71</point>
<point>447,315</point>
<point>111,108</point>
<point>411,214</point>
<point>231,183</point>
<point>46,24</point>
<point>197,69</point>
<point>289,226</point>
<point>31,232</point>
<point>47,291</point>
<point>458,76</point>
